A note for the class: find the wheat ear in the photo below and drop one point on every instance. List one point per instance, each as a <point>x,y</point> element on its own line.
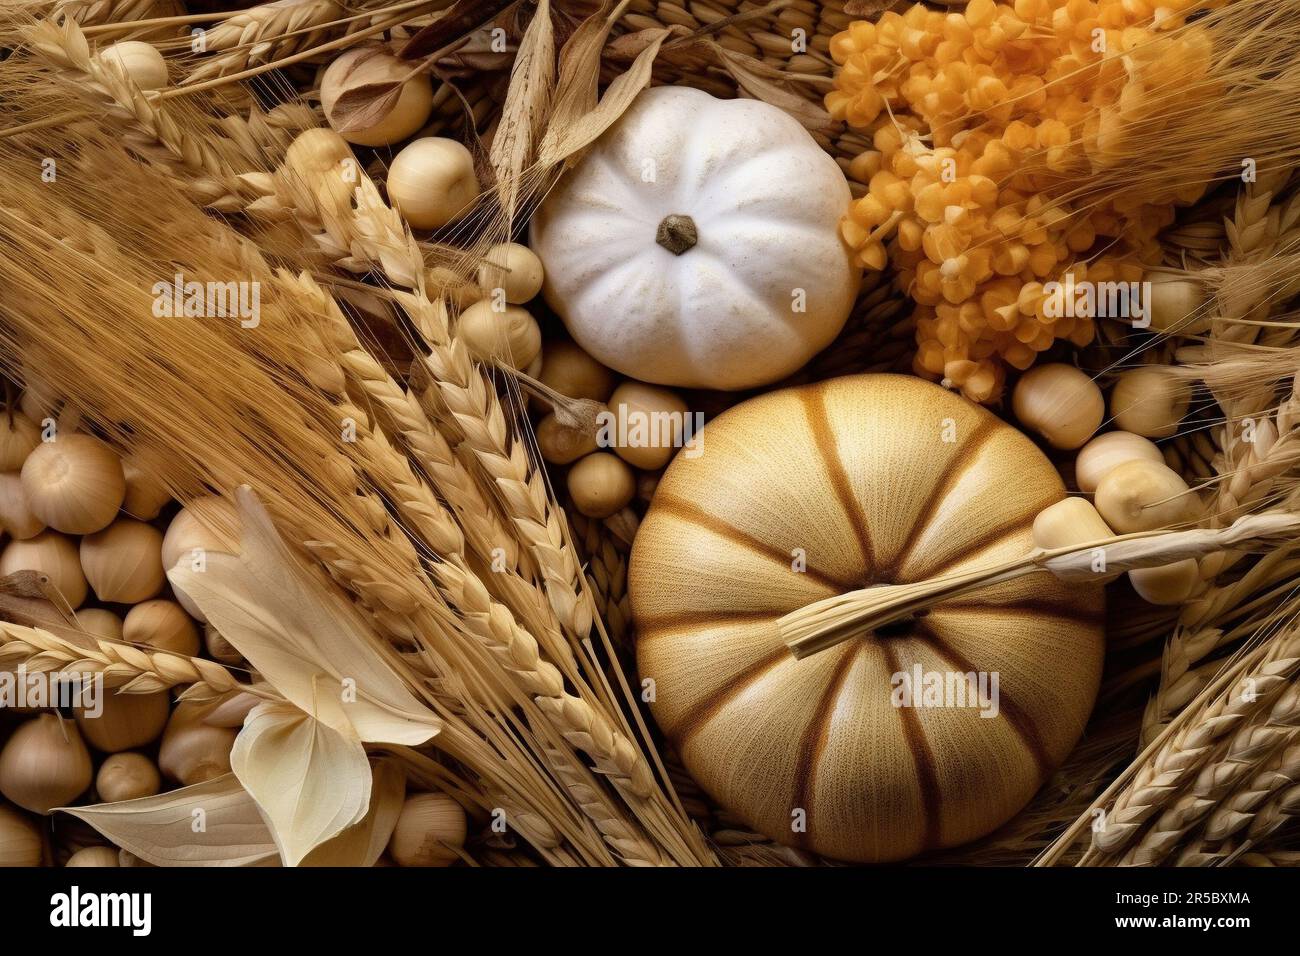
<point>262,33</point>
<point>1251,686</point>
<point>149,127</point>
<point>126,667</point>
<point>1238,810</point>
<point>584,727</point>
<point>1236,760</point>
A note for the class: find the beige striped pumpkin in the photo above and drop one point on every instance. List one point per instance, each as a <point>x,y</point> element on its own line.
<point>875,479</point>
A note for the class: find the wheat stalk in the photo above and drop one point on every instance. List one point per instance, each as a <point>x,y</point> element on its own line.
<point>373,235</point>
<point>1172,761</point>
<point>125,667</point>
<point>262,33</point>
<point>149,128</point>
<point>1249,466</point>
<point>605,545</point>
<point>585,727</point>
<point>1238,810</point>
<point>1237,759</point>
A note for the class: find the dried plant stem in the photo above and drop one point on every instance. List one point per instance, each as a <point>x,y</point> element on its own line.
<point>827,622</point>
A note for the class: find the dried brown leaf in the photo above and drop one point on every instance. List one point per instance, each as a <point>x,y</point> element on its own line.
<point>565,138</point>
<point>762,82</point>
<point>364,106</point>
<point>462,18</point>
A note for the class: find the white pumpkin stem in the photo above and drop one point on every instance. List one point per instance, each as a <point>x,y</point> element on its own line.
<point>826,623</point>
<point>677,233</point>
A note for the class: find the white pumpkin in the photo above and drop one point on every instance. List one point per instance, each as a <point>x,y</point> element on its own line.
<point>697,244</point>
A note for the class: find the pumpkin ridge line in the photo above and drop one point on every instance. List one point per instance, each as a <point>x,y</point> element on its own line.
<point>668,625</point>
<point>812,743</point>
<point>927,780</point>
<point>1019,720</point>
<point>697,718</point>
<point>956,467</point>
<point>816,413</point>
<point>693,513</point>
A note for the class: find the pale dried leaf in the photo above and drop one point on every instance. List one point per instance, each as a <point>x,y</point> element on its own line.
<point>305,641</point>
<point>627,47</point>
<point>563,140</point>
<point>576,91</point>
<point>310,780</point>
<point>763,83</point>
<point>531,84</point>
<point>166,830</point>
<point>362,844</point>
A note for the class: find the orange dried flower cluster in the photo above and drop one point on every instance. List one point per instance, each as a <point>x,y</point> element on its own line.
<point>982,122</point>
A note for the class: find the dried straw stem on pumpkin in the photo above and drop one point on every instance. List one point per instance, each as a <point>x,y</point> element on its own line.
<point>827,622</point>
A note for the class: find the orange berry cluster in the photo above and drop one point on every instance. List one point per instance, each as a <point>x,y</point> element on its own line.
<point>982,123</point>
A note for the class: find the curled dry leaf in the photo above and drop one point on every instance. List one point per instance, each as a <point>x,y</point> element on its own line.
<point>362,844</point>
<point>302,759</point>
<point>310,780</point>
<point>628,46</point>
<point>579,118</point>
<point>765,83</point>
<point>165,829</point>
<point>308,643</point>
<point>365,106</point>
<point>463,18</point>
